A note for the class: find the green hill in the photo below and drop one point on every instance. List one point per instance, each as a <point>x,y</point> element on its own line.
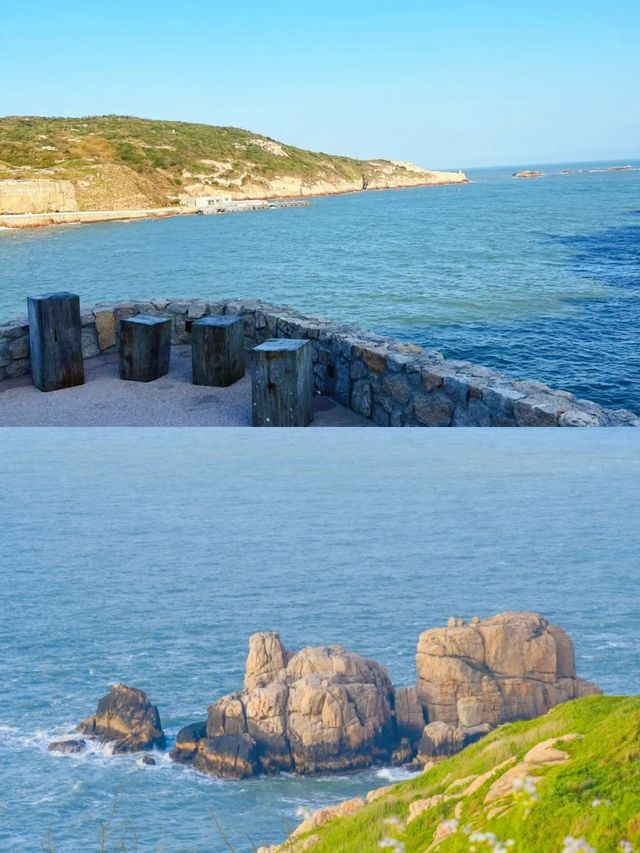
<point>580,766</point>
<point>121,161</point>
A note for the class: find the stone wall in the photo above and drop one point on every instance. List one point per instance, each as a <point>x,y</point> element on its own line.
<point>394,383</point>
<point>36,196</point>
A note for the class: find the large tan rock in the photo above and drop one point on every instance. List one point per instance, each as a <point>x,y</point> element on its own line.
<point>126,719</point>
<point>512,666</point>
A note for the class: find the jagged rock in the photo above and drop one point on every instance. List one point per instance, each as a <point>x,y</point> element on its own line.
<point>514,666</point>
<point>150,762</point>
<point>70,746</point>
<point>127,719</point>
<point>318,710</point>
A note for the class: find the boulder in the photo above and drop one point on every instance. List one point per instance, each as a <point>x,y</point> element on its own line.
<point>70,746</point>
<point>127,719</point>
<point>318,710</point>
<point>513,666</point>
<point>187,741</point>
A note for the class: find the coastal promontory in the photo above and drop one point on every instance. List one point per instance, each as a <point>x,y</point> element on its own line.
<point>121,163</point>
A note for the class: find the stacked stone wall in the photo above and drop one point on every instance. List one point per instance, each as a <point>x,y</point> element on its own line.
<point>391,382</point>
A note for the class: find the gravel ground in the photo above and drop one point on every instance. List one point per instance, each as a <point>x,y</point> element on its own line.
<point>105,400</point>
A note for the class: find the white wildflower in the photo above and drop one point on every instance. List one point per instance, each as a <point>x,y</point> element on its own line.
<point>576,845</point>
<point>626,846</point>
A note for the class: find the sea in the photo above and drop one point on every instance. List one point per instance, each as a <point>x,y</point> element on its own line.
<point>150,556</point>
<point>539,278</point>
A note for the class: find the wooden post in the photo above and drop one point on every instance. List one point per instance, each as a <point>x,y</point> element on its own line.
<point>283,383</point>
<point>55,341</point>
<point>145,347</point>
<point>217,350</point>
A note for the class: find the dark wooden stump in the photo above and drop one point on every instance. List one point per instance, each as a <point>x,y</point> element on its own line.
<point>217,350</point>
<point>55,341</point>
<point>283,383</point>
<point>145,347</point>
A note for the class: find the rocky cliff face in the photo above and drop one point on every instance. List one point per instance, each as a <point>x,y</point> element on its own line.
<point>320,709</point>
<point>39,196</point>
<point>474,677</point>
<point>373,175</point>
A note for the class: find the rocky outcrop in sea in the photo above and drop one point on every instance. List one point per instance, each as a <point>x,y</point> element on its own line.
<point>325,709</point>
<point>474,677</point>
<point>318,710</point>
<point>125,719</point>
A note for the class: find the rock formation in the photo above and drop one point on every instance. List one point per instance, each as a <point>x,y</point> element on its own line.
<point>471,678</point>
<point>326,709</point>
<point>318,710</point>
<point>126,719</point>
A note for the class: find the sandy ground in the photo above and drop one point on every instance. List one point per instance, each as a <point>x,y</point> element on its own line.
<point>105,400</point>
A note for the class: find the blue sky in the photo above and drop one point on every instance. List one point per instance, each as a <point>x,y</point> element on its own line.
<point>441,83</point>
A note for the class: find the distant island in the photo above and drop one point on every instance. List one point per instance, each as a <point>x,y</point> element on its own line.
<point>131,166</point>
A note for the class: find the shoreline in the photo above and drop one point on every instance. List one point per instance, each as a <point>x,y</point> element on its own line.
<point>22,221</point>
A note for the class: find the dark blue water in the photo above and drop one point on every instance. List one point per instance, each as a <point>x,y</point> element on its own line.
<point>150,556</point>
<point>540,278</point>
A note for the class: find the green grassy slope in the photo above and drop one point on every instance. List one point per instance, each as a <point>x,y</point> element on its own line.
<point>594,796</point>
<point>146,146</point>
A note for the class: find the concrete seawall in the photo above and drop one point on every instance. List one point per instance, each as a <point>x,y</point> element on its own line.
<point>390,382</point>
<point>85,217</point>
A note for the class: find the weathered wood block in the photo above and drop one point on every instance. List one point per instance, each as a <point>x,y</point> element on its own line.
<point>283,383</point>
<point>145,347</point>
<point>55,341</point>
<point>217,350</point>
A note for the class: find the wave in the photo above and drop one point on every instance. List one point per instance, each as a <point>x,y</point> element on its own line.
<point>397,774</point>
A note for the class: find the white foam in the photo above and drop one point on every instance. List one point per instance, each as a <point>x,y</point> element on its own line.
<point>397,774</point>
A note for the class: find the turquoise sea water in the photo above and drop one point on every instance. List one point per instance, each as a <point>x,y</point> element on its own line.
<point>540,278</point>
<point>149,557</point>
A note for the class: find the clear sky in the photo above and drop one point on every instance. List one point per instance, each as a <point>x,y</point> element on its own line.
<point>458,83</point>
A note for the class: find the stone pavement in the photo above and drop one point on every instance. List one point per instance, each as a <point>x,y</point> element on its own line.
<point>104,400</point>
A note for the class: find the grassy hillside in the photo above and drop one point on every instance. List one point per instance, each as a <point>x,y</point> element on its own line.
<point>120,159</point>
<point>590,793</point>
